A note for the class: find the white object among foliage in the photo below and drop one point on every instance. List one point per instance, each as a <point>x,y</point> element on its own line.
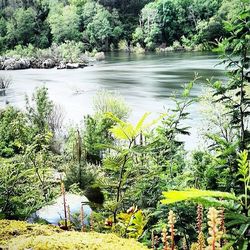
<point>55,212</point>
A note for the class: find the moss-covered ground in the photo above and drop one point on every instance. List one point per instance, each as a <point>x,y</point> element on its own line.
<point>21,235</point>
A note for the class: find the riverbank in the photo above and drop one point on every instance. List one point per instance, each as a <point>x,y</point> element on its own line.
<point>17,63</point>
<point>69,55</point>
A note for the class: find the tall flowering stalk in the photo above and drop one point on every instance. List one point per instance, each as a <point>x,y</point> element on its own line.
<point>92,221</point>
<point>64,205</point>
<point>184,244</point>
<point>201,244</point>
<point>201,239</point>
<point>82,218</point>
<point>68,210</point>
<point>171,222</point>
<point>164,239</point>
<point>213,230</point>
<point>153,240</point>
<point>222,226</point>
<point>199,218</point>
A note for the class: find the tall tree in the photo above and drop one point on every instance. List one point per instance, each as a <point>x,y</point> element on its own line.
<point>64,23</point>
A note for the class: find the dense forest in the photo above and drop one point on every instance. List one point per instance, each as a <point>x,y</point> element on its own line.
<point>140,181</point>
<point>122,24</point>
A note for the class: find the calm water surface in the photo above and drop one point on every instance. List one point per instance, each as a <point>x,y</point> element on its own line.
<point>146,82</point>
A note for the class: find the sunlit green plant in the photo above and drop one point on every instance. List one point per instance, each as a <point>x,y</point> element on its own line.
<point>131,223</point>
<point>119,164</point>
<point>244,173</point>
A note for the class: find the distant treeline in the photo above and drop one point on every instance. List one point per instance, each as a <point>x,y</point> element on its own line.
<point>112,24</point>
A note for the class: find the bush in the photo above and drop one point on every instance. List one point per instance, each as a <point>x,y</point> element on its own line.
<point>13,132</point>
<point>22,51</point>
<point>123,45</point>
<point>70,51</point>
<point>107,101</point>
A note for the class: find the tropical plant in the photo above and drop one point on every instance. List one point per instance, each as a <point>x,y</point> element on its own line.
<point>237,207</point>
<point>131,224</point>
<point>120,163</point>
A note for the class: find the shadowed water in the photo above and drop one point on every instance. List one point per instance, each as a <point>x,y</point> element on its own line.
<point>147,82</point>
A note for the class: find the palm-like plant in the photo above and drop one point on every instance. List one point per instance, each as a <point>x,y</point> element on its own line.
<point>120,164</point>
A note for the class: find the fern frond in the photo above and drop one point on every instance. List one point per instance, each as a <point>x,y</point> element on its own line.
<point>193,194</point>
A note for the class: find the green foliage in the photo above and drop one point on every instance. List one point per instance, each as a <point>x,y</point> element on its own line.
<point>99,24</point>
<point>233,94</point>
<point>130,164</point>
<point>22,51</point>
<point>126,130</point>
<point>237,215</point>
<point>102,26</point>
<point>149,31</point>
<point>244,172</point>
<point>39,110</point>
<point>21,28</point>
<point>27,178</point>
<point>14,132</point>
<point>76,170</point>
<point>64,23</point>
<point>20,192</point>
<point>70,51</point>
<point>121,165</point>
<point>96,128</point>
<point>131,224</point>
<point>238,220</point>
<point>96,133</point>
<point>99,29</point>
<point>39,159</point>
<point>210,31</point>
<point>106,101</point>
<point>166,21</point>
<point>194,194</point>
<point>3,31</point>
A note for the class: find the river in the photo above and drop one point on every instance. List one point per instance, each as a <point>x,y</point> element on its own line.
<point>146,81</point>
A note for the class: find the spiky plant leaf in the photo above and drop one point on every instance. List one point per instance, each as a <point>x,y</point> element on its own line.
<point>127,131</point>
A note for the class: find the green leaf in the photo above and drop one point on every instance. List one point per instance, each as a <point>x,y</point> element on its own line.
<point>192,194</point>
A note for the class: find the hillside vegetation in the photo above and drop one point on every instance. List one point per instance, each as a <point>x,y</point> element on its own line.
<point>122,24</point>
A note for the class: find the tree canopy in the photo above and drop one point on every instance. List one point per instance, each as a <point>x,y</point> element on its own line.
<point>103,24</point>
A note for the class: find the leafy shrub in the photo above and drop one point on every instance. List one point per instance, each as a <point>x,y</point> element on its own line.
<point>20,191</point>
<point>13,132</point>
